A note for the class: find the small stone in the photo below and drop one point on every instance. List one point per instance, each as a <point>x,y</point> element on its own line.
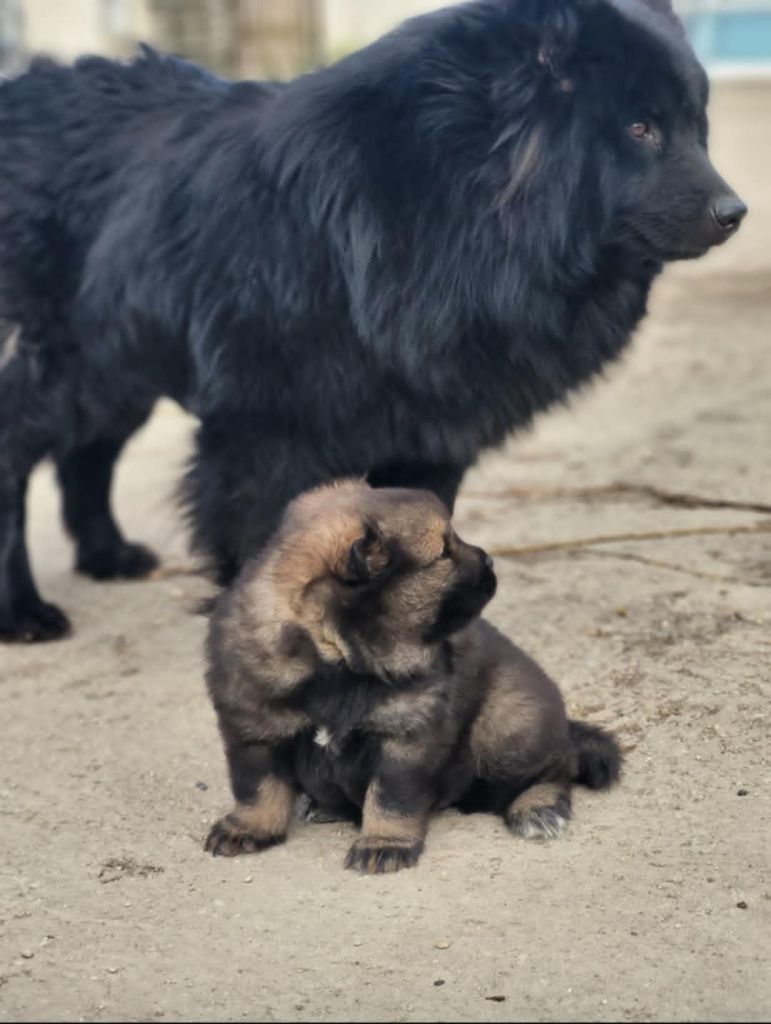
<point>248,879</point>
<point>439,982</point>
<point>113,970</point>
<point>442,944</point>
<point>742,792</point>
<point>202,786</point>
<point>495,999</point>
<point>27,954</point>
<point>742,905</point>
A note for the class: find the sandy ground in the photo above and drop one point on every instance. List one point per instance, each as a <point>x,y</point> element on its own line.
<point>655,906</point>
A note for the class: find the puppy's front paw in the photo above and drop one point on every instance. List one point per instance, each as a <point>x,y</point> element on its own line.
<point>372,856</point>
<point>231,837</point>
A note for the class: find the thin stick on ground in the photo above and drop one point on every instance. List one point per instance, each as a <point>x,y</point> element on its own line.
<point>619,489</point>
<point>660,563</point>
<point>620,538</point>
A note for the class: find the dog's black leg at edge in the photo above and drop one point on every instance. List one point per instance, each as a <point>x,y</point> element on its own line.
<point>239,484</point>
<point>24,616</point>
<point>85,476</point>
<point>442,479</point>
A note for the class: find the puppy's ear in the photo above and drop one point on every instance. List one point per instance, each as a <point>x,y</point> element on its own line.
<point>295,642</point>
<point>367,557</point>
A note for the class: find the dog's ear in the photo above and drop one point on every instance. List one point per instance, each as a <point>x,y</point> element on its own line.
<point>661,6</point>
<point>367,558</point>
<point>666,9</point>
<point>558,28</point>
<point>295,642</point>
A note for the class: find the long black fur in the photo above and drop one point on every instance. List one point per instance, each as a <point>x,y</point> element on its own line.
<point>598,755</point>
<point>380,268</point>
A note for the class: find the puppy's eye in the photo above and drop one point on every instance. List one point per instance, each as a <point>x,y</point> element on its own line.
<point>645,131</point>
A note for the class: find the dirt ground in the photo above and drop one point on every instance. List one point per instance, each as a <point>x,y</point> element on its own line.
<point>657,903</point>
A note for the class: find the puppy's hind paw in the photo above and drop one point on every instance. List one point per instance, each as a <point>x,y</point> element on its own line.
<point>229,838</point>
<point>539,822</point>
<point>373,856</point>
<point>308,812</point>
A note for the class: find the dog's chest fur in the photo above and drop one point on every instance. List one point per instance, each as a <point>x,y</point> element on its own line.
<point>340,702</point>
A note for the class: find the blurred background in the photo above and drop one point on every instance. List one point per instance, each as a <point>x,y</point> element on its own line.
<point>278,38</point>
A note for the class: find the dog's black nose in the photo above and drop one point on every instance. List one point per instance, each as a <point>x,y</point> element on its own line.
<point>729,212</point>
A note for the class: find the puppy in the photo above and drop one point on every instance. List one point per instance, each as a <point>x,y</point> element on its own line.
<point>349,662</point>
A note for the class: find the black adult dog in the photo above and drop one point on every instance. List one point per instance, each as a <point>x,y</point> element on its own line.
<point>381,268</point>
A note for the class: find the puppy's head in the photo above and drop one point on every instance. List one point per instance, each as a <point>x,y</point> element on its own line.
<point>380,570</point>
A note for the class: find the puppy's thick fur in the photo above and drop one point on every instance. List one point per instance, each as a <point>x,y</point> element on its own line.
<point>380,268</point>
<point>349,662</point>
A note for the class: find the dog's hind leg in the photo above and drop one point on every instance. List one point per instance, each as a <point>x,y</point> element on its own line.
<point>238,486</point>
<point>442,479</point>
<point>24,616</point>
<point>85,476</point>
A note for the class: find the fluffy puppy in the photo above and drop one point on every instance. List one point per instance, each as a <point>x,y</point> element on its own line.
<point>349,662</point>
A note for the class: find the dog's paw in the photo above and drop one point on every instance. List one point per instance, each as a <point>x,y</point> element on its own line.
<point>540,822</point>
<point>308,812</point>
<point>34,623</point>
<point>122,561</point>
<point>372,856</point>
<point>229,838</point>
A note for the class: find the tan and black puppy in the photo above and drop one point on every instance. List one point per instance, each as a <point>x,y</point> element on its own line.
<point>349,663</point>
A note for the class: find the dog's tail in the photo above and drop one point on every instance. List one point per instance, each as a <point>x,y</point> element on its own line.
<point>598,756</point>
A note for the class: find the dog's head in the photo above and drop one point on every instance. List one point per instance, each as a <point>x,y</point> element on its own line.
<point>590,112</point>
<point>377,575</point>
<point>637,98</point>
<point>670,198</point>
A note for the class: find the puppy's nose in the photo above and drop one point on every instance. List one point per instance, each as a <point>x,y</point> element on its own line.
<point>729,212</point>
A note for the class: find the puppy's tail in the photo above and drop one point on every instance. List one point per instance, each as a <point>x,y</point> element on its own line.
<point>598,756</point>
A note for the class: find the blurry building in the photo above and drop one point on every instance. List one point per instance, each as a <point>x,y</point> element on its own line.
<point>234,37</point>
<point>350,23</point>
<point>731,37</point>
<point>245,38</point>
<point>11,35</point>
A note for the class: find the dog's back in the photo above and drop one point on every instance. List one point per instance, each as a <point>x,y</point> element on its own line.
<point>71,137</point>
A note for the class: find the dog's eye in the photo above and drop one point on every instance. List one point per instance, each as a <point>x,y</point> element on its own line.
<point>645,131</point>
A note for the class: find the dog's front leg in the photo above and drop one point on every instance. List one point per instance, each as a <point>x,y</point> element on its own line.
<point>264,793</point>
<point>395,814</point>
